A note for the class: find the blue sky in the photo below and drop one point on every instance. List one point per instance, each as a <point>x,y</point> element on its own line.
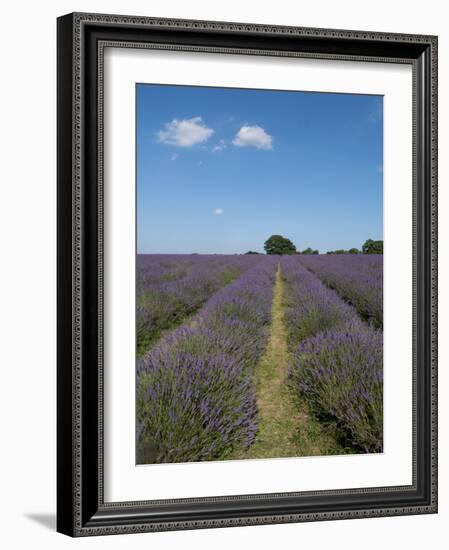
<point>219,170</point>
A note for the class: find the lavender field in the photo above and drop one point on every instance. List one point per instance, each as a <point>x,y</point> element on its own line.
<point>258,356</point>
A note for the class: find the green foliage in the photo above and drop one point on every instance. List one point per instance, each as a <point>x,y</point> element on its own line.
<point>309,251</point>
<point>277,244</point>
<point>373,247</point>
<point>369,247</point>
<point>343,251</point>
<point>251,252</point>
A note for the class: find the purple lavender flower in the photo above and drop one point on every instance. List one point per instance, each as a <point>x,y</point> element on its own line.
<point>311,307</point>
<point>340,375</point>
<point>358,278</point>
<point>336,361</point>
<point>172,287</point>
<point>196,394</point>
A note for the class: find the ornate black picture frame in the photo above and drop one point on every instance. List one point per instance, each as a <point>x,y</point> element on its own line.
<point>81,510</point>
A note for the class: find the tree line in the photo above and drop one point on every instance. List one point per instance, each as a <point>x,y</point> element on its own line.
<point>277,244</point>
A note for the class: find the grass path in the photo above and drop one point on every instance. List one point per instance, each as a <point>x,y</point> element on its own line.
<point>286,427</point>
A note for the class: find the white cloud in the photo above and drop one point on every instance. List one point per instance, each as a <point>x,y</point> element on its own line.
<point>185,132</point>
<point>218,211</point>
<point>219,146</point>
<point>253,136</point>
<point>380,168</point>
<point>174,156</point>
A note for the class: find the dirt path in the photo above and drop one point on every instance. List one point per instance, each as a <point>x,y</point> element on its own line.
<point>285,426</point>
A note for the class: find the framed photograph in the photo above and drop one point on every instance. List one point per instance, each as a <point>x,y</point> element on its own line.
<point>247,283</point>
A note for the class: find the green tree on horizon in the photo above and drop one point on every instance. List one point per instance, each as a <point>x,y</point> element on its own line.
<point>310,251</point>
<point>373,247</point>
<point>277,244</point>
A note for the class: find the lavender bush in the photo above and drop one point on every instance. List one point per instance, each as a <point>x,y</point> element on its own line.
<point>340,374</point>
<point>172,287</point>
<point>358,278</point>
<point>310,306</point>
<point>196,394</point>
<point>336,360</point>
<point>195,406</point>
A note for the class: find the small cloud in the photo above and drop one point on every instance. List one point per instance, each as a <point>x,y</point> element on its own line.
<point>185,132</point>
<point>380,168</point>
<point>200,163</point>
<point>174,156</point>
<point>218,211</point>
<point>253,136</point>
<point>219,146</point>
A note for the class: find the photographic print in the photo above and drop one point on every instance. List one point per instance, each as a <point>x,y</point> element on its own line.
<point>235,345</point>
<point>259,274</point>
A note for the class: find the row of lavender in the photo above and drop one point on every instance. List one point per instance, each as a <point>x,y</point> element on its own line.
<point>196,396</point>
<point>172,287</point>
<point>336,359</point>
<point>357,278</point>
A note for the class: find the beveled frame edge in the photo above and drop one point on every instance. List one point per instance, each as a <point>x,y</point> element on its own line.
<point>71,257</point>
